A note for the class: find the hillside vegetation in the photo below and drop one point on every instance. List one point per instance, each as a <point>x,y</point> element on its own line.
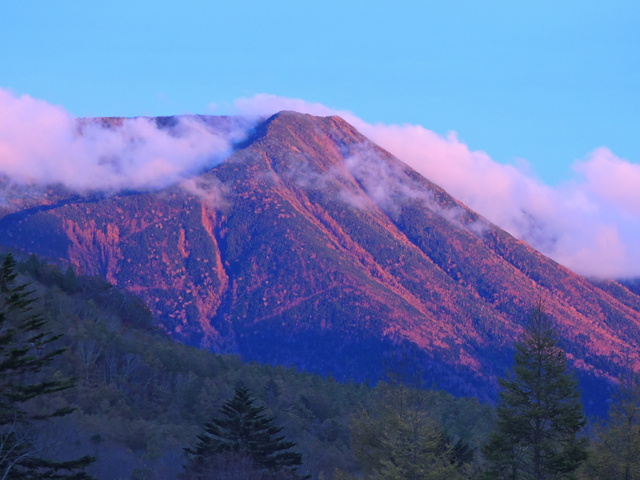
<point>142,397</point>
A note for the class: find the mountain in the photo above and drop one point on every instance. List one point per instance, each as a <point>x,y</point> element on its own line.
<point>312,246</point>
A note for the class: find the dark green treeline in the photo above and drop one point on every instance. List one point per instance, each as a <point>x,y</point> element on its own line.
<point>140,399</point>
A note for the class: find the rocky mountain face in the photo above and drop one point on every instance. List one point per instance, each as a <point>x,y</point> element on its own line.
<point>312,246</point>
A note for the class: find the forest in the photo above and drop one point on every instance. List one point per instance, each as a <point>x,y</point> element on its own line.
<point>92,389</point>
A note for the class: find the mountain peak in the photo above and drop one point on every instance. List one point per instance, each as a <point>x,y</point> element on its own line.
<point>305,121</point>
<point>291,140</point>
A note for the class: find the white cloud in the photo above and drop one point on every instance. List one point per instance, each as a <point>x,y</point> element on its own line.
<point>43,144</point>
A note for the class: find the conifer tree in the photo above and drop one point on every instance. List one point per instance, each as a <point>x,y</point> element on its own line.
<point>399,440</point>
<point>243,432</point>
<point>25,349</point>
<point>539,411</point>
<point>616,453</point>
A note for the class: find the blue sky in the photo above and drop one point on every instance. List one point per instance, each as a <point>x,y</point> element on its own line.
<point>543,81</point>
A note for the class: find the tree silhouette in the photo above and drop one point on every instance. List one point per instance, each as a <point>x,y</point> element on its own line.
<point>539,411</point>
<point>243,434</point>
<point>616,453</point>
<point>399,440</point>
<point>25,349</point>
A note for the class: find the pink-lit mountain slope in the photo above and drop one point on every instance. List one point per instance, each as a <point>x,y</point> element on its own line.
<point>312,246</point>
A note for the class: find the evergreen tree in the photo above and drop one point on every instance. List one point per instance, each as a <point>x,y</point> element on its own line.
<point>243,433</point>
<point>616,453</point>
<point>539,411</point>
<point>25,349</point>
<point>399,440</point>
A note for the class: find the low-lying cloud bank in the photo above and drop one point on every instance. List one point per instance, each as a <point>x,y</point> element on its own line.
<point>43,144</point>
<point>590,223</point>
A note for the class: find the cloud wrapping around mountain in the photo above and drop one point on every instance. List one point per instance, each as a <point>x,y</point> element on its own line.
<point>43,144</point>
<point>591,223</point>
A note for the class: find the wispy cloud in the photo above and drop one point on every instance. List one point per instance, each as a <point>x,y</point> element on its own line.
<point>209,189</point>
<point>591,223</point>
<point>43,144</point>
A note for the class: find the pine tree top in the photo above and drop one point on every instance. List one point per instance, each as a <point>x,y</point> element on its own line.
<point>243,427</point>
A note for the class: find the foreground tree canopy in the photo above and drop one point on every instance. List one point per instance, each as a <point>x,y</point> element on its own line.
<point>399,440</point>
<point>539,411</point>
<point>25,349</point>
<point>242,443</point>
<point>616,450</point>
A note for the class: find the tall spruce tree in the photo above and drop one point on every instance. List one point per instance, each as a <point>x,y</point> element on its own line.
<point>25,349</point>
<point>539,411</point>
<point>242,434</point>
